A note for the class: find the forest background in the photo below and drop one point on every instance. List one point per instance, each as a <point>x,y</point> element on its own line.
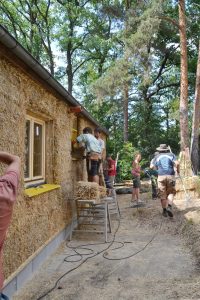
<point>120,59</point>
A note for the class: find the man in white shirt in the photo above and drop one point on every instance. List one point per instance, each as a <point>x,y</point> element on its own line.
<point>97,134</point>
<point>93,153</point>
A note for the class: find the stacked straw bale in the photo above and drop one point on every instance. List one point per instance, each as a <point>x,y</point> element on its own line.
<point>89,191</point>
<point>189,184</point>
<point>102,192</point>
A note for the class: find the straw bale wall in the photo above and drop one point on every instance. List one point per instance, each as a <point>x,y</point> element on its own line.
<point>190,185</point>
<point>187,185</point>
<point>188,182</point>
<point>37,219</point>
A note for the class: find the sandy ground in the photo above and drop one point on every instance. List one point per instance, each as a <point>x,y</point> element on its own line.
<point>161,263</point>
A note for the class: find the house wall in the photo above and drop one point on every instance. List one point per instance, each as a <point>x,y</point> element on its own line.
<point>36,220</point>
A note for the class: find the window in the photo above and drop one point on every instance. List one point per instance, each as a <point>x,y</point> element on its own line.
<point>34,149</point>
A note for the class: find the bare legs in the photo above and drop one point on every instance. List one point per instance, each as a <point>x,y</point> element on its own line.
<point>95,179</point>
<point>164,203</point>
<point>170,199</point>
<point>135,194</point>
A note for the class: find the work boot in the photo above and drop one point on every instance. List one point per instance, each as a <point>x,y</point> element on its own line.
<point>169,211</point>
<point>165,214</point>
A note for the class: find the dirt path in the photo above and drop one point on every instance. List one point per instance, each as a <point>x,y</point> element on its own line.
<point>164,269</point>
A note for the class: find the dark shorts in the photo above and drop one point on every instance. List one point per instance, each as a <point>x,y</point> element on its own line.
<point>136,182</point>
<point>92,167</point>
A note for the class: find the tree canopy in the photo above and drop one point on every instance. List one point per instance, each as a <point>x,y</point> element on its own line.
<point>120,59</point>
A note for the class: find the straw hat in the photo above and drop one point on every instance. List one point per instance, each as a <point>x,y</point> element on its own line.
<point>162,148</point>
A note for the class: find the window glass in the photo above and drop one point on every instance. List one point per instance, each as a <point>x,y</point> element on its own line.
<point>27,150</point>
<point>37,150</point>
<point>34,168</point>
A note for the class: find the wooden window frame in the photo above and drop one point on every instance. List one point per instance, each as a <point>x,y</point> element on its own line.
<point>35,179</point>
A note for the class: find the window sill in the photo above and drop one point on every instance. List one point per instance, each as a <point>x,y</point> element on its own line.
<point>32,192</point>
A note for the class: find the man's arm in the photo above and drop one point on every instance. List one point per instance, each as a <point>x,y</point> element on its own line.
<point>152,164</point>
<point>111,168</point>
<point>81,142</point>
<point>12,161</point>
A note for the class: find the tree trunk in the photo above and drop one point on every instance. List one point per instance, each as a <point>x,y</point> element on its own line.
<point>69,55</point>
<point>196,121</point>
<point>184,131</point>
<point>125,110</point>
<point>126,87</point>
<point>69,69</point>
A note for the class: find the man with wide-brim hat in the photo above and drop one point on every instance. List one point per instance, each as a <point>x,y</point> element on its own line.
<point>166,163</point>
<point>163,148</point>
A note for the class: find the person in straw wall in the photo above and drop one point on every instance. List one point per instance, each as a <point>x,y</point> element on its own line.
<point>8,192</point>
<point>93,150</point>
<point>166,163</point>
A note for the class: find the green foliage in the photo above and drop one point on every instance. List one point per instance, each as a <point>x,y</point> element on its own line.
<point>32,23</point>
<point>112,44</point>
<point>126,156</point>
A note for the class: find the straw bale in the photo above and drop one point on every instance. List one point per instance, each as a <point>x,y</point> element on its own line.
<point>181,195</point>
<point>128,182</point>
<point>102,192</point>
<point>190,183</point>
<point>87,191</point>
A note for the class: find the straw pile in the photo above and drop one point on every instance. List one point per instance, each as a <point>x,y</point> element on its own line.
<point>87,191</point>
<point>190,183</point>
<point>190,196</point>
<point>128,182</point>
<point>102,192</point>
